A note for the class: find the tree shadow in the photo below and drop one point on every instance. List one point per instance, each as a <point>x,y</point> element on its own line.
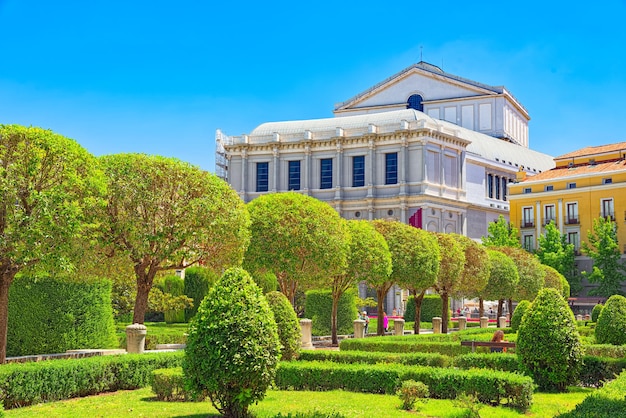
<point>210,415</point>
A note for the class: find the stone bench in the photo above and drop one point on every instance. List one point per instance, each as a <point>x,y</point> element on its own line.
<point>491,344</point>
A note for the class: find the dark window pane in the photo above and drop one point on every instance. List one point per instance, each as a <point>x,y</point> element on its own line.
<point>391,168</point>
<point>326,173</point>
<point>294,175</point>
<point>262,175</point>
<point>415,102</point>
<point>358,171</point>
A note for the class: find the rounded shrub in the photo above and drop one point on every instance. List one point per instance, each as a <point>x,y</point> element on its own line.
<point>175,286</point>
<point>289,331</point>
<point>198,281</point>
<point>232,348</point>
<point>548,344</point>
<point>318,308</point>
<point>267,281</point>
<point>518,313</point>
<point>595,312</point>
<point>611,326</point>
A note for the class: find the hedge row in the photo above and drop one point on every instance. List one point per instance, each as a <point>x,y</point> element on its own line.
<point>489,386</point>
<point>23,384</point>
<point>478,334</point>
<point>605,350</point>
<point>606,402</point>
<point>350,357</point>
<point>412,346</point>
<point>318,307</point>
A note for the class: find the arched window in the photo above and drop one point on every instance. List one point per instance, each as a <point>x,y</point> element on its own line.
<point>415,102</point>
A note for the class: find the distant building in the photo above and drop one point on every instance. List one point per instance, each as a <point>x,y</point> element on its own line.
<point>425,147</point>
<point>585,185</point>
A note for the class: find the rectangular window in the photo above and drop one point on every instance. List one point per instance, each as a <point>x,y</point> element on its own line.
<point>490,185</point>
<point>262,176</point>
<point>571,185</point>
<point>607,209</point>
<point>432,167</point>
<point>527,190</point>
<point>528,242</point>
<point>450,171</point>
<point>572,238</point>
<point>497,180</point>
<point>550,214</point>
<point>572,213</point>
<point>358,171</point>
<point>504,188</point>
<point>549,188</point>
<point>294,175</point>
<point>391,168</point>
<point>607,181</point>
<point>326,173</point>
<point>527,217</point>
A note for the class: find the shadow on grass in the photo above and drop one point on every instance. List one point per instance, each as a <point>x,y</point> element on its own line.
<point>211,415</point>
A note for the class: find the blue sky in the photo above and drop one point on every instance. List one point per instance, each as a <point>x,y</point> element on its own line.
<point>160,77</point>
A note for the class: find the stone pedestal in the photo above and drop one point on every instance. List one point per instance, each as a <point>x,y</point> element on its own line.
<point>436,325</point>
<point>359,328</point>
<point>136,338</point>
<point>398,327</point>
<point>462,323</point>
<point>587,317</point>
<point>502,322</point>
<point>307,339</point>
<point>484,321</point>
<point>579,317</point>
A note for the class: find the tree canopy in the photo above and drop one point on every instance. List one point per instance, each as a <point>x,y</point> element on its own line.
<point>556,252</point>
<point>475,274</point>
<point>300,239</point>
<point>503,277</point>
<point>603,248</point>
<point>49,186</point>
<point>531,274</point>
<point>501,234</point>
<point>450,269</point>
<point>166,214</point>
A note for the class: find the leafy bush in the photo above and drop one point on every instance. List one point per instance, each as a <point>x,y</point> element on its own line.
<point>48,315</point>
<point>505,362</point>
<point>289,331</point>
<point>518,313</point>
<point>169,384</point>
<point>198,281</point>
<point>595,312</point>
<point>605,350</point>
<point>266,281</point>
<point>350,357</point>
<point>606,402</point>
<point>233,346</point>
<point>598,370</point>
<point>548,344</point>
<point>489,386</point>
<point>175,286</point>
<point>318,307</point>
<point>410,392</point>
<point>431,307</point>
<point>23,384</point>
<point>408,346</point>
<point>611,326</point>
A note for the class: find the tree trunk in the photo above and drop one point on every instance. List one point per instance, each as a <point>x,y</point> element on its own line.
<point>500,305</point>
<point>481,308</point>
<point>444,312</point>
<point>288,288</point>
<point>418,311</point>
<point>5,283</point>
<point>380,295</point>
<point>333,320</point>
<point>145,277</point>
<point>510,308</point>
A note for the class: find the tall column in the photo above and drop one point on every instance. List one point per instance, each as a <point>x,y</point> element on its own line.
<point>338,171</point>
<point>244,174</point>
<point>560,218</point>
<point>276,170</point>
<point>539,222</point>
<point>370,169</point>
<point>307,169</point>
<point>402,165</point>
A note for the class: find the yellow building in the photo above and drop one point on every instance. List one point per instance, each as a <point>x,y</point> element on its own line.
<point>585,185</point>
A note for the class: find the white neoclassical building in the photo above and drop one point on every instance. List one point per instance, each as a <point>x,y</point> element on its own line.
<point>425,147</point>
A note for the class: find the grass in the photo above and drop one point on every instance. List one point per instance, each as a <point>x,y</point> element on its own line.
<point>141,403</point>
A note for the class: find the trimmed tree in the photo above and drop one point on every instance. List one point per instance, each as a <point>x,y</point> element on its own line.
<point>611,326</point>
<point>503,278</point>
<point>300,239</point>
<point>475,274</point>
<point>554,279</point>
<point>603,249</point>
<point>48,187</point>
<point>233,347</point>
<point>531,275</point>
<point>595,312</point>
<point>415,258</point>
<point>518,314</point>
<point>450,269</point>
<point>369,259</point>
<point>166,214</point>
<point>548,344</point>
<point>289,332</point>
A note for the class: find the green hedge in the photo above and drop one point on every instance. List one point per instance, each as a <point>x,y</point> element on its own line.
<point>48,315</point>
<point>497,361</point>
<point>431,307</point>
<point>198,281</point>
<point>409,346</point>
<point>350,357</point>
<point>606,402</point>
<point>23,384</point>
<point>605,350</point>
<point>175,286</point>
<point>318,307</point>
<point>158,333</point>
<point>488,386</point>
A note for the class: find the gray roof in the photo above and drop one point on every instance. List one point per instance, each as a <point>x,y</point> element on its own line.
<point>481,145</point>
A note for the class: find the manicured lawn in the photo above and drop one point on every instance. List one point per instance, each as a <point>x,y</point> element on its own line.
<point>141,403</point>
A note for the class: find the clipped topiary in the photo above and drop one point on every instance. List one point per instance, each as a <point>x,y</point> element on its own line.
<point>232,348</point>
<point>267,281</point>
<point>518,313</point>
<point>595,312</point>
<point>548,344</point>
<point>318,307</point>
<point>431,307</point>
<point>198,281</point>
<point>175,286</point>
<point>289,331</point>
<point>611,327</point>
